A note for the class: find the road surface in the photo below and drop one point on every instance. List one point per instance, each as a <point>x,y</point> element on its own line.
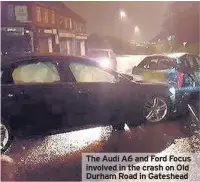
<point>58,157</point>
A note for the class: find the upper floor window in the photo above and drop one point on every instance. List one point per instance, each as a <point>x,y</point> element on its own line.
<point>46,16</point>
<point>74,25</point>
<point>80,27</point>
<point>53,19</point>
<point>66,23</point>
<point>38,12</point>
<point>70,23</point>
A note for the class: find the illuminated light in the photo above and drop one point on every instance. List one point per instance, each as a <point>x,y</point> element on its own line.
<point>184,43</point>
<point>137,29</point>
<point>126,127</point>
<point>27,31</point>
<point>105,63</point>
<point>122,14</point>
<point>172,90</point>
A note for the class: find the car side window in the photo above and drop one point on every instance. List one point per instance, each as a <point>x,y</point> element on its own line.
<point>89,73</point>
<point>38,72</point>
<point>165,64</point>
<point>151,64</point>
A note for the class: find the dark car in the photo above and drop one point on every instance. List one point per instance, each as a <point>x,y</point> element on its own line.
<point>48,94</point>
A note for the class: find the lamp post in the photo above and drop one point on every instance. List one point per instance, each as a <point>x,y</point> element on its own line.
<point>122,18</point>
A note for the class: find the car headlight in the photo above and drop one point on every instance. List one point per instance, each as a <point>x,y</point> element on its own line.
<point>172,90</point>
<point>105,62</point>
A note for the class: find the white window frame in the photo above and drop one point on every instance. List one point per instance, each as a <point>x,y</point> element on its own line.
<point>53,17</point>
<point>38,14</point>
<point>46,17</point>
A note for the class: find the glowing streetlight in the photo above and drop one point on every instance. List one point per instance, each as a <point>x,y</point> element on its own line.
<point>136,29</point>
<point>184,44</point>
<point>122,14</point>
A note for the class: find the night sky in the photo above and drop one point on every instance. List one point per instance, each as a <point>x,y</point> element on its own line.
<point>103,17</point>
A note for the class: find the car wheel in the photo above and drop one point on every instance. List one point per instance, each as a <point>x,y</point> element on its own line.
<point>6,137</point>
<point>156,109</point>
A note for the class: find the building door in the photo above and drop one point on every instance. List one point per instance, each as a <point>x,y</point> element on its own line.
<point>50,44</point>
<point>43,45</point>
<point>63,47</point>
<point>78,47</point>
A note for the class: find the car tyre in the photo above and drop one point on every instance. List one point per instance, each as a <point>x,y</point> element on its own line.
<point>156,109</point>
<point>6,136</point>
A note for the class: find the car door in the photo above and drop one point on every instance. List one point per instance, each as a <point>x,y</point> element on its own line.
<point>35,89</point>
<point>98,96</point>
<point>167,69</point>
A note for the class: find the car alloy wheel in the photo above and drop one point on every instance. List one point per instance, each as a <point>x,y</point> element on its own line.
<point>4,136</point>
<point>155,109</point>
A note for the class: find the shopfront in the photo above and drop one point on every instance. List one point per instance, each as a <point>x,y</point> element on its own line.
<point>16,40</point>
<point>80,45</point>
<point>66,41</point>
<point>47,40</point>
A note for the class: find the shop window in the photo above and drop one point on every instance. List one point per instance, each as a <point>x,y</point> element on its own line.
<point>41,72</point>
<point>53,19</point>
<point>39,18</point>
<point>83,29</point>
<point>61,21</point>
<point>46,16</point>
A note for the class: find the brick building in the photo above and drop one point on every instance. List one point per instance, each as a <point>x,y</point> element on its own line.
<point>41,27</point>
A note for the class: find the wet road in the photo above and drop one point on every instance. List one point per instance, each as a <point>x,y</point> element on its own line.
<point>58,157</point>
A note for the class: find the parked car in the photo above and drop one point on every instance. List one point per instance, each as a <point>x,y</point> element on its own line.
<point>180,70</point>
<point>105,57</point>
<point>48,94</point>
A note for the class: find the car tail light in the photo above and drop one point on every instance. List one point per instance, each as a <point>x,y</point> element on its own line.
<point>179,79</point>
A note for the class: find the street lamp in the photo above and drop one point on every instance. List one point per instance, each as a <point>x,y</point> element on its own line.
<point>136,29</point>
<point>184,44</point>
<point>122,15</point>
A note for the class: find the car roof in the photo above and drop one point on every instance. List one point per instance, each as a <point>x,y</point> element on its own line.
<point>177,54</point>
<point>169,55</point>
<point>6,61</point>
